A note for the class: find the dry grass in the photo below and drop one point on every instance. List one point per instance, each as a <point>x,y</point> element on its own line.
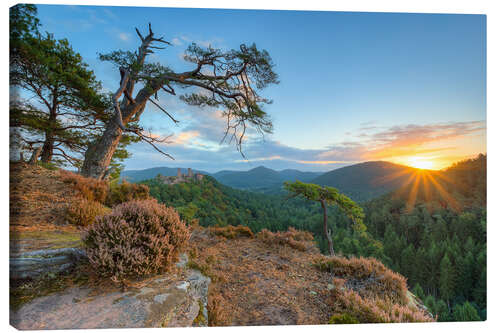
<point>368,276</point>
<point>125,191</point>
<point>89,188</point>
<point>84,212</point>
<point>232,232</point>
<point>299,240</point>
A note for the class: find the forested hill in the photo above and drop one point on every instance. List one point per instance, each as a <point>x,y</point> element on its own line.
<point>434,233</point>
<point>459,187</point>
<point>365,181</point>
<point>260,179</point>
<point>139,175</point>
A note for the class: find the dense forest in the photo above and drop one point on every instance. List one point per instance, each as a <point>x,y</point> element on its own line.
<point>438,243</point>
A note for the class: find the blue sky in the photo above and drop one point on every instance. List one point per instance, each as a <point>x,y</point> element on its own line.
<point>354,86</point>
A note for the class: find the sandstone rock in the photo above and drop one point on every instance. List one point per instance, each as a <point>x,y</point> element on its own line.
<point>170,300</point>
<point>35,263</point>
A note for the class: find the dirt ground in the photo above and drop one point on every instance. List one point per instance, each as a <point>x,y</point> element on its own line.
<point>260,284</point>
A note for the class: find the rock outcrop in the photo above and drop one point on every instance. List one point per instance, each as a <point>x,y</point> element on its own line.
<point>170,300</point>
<point>35,263</point>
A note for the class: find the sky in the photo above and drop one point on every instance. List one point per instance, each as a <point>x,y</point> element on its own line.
<point>354,87</point>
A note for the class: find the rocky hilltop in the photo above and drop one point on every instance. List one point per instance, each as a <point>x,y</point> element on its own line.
<point>226,276</point>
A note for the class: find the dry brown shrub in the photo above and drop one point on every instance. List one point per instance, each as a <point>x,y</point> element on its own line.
<point>375,278</point>
<point>125,191</point>
<point>137,238</point>
<point>89,188</point>
<point>232,232</point>
<point>218,310</point>
<point>84,212</point>
<point>299,240</point>
<point>374,310</point>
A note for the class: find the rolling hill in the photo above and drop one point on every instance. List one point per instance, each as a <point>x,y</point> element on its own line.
<point>139,175</point>
<point>365,181</point>
<point>260,179</point>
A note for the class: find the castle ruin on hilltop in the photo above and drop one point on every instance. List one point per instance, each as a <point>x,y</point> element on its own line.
<point>180,178</point>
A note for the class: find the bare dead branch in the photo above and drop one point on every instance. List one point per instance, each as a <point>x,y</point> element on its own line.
<point>165,111</point>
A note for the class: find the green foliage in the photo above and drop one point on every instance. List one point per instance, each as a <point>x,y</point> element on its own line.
<point>344,318</point>
<point>214,204</point>
<point>72,107</point>
<point>465,312</point>
<point>331,196</point>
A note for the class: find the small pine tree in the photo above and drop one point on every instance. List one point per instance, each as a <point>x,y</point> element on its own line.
<point>446,279</point>
<point>418,291</point>
<point>465,312</point>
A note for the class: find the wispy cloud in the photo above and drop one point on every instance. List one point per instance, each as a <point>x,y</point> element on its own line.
<point>198,145</point>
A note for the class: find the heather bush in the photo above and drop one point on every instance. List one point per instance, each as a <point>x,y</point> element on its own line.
<point>374,310</point>
<point>218,310</point>
<point>89,188</point>
<point>137,238</point>
<point>299,240</point>
<point>120,193</point>
<point>232,232</point>
<point>377,279</point>
<point>84,212</point>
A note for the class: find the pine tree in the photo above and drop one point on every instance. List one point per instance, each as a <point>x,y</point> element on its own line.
<point>446,279</point>
<point>465,312</point>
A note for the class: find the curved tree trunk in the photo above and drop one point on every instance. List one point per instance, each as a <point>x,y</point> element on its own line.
<point>325,229</point>
<point>98,155</point>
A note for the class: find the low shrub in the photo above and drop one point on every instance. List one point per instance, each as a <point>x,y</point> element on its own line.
<point>218,311</point>
<point>349,303</point>
<point>125,191</point>
<point>232,232</point>
<point>137,238</point>
<point>372,276</point>
<point>84,212</point>
<point>299,240</point>
<point>89,188</point>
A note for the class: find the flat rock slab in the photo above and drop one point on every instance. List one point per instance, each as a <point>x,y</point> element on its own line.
<point>162,302</point>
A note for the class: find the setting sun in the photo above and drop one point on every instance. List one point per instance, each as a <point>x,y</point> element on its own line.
<point>420,163</point>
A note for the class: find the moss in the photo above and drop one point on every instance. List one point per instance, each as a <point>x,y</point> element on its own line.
<point>46,239</point>
<point>344,318</point>
<point>23,291</point>
<point>200,319</point>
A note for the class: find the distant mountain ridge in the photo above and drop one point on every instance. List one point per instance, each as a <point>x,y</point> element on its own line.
<point>260,179</point>
<point>365,181</point>
<point>362,181</point>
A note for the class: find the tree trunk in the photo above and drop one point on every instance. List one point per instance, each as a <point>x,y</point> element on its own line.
<point>325,229</point>
<point>48,148</point>
<point>98,155</point>
<point>34,155</point>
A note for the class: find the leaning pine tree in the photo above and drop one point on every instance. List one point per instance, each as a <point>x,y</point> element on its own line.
<point>229,80</point>
<point>328,196</point>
